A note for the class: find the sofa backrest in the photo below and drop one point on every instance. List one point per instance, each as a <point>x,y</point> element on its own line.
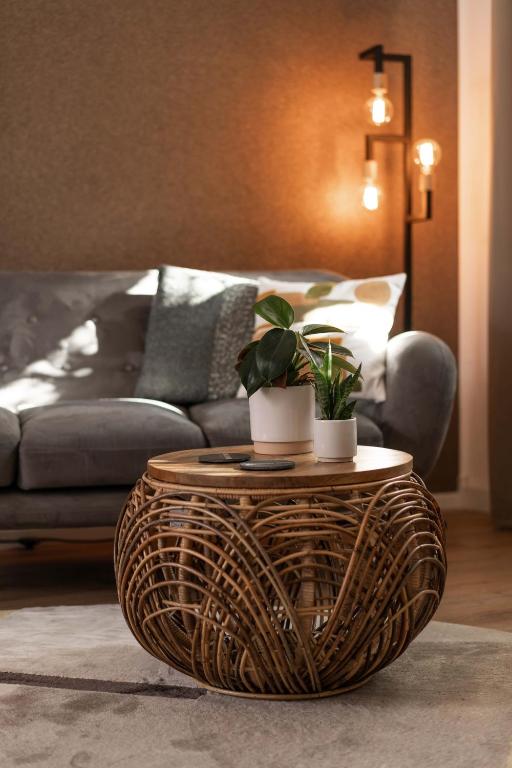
<point>79,335</point>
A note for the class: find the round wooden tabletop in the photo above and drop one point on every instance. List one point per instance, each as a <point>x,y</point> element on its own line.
<point>370,465</point>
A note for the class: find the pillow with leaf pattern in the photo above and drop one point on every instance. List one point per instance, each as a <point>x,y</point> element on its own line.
<point>365,309</point>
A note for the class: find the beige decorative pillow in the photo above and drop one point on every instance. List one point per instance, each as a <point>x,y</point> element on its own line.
<point>364,309</point>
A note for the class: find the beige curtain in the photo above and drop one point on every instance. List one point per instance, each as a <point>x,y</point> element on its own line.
<point>500,307</point>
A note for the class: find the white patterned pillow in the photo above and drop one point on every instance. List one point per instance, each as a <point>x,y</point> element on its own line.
<point>364,309</point>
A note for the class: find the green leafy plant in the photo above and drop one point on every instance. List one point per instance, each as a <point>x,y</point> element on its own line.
<point>283,357</point>
<point>333,388</point>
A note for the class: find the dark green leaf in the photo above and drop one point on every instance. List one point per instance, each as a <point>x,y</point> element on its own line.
<point>255,381</point>
<point>248,371</point>
<point>244,365</point>
<point>275,310</point>
<point>348,411</point>
<point>351,381</point>
<point>322,393</point>
<point>275,352</point>
<point>321,346</point>
<point>340,362</point>
<point>305,350</point>
<point>316,328</point>
<point>243,352</point>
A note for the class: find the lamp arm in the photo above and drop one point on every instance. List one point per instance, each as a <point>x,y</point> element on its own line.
<point>427,202</point>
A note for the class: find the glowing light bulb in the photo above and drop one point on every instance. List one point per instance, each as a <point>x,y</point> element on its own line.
<point>380,109</point>
<point>427,154</point>
<point>370,196</point>
<point>371,192</point>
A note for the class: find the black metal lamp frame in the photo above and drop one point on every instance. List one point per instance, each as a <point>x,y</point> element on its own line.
<point>378,56</point>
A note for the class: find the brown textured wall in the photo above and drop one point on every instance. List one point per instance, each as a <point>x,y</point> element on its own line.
<point>219,134</point>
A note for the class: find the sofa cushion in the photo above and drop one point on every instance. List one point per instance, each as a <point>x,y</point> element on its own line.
<point>199,321</point>
<point>226,422</point>
<point>71,335</point>
<point>80,335</point>
<point>98,442</point>
<point>9,442</point>
<point>60,508</point>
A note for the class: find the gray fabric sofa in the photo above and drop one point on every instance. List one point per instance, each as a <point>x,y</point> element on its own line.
<point>73,438</point>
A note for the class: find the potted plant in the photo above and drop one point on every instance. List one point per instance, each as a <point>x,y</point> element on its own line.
<point>335,432</point>
<point>276,372</point>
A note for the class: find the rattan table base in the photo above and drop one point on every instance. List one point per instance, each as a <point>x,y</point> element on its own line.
<point>282,594</point>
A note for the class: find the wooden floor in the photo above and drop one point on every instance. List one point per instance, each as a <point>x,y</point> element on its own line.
<point>479,585</point>
<point>479,588</point>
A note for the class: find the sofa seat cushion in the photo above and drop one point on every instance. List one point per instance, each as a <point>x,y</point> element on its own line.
<point>98,442</point>
<point>226,422</point>
<point>199,320</point>
<point>58,508</point>
<point>9,442</point>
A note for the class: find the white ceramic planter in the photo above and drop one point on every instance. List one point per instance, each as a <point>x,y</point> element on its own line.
<point>335,440</point>
<point>282,419</point>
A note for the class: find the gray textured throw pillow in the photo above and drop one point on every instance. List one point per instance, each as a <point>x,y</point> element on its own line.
<point>198,322</point>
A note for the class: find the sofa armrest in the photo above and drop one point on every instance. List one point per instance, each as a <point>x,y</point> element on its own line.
<point>421,378</point>
<point>9,443</point>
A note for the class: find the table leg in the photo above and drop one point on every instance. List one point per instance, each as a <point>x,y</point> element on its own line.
<point>185,595</point>
<point>306,598</point>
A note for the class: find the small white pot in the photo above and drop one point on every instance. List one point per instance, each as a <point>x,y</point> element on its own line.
<point>282,419</point>
<point>335,440</point>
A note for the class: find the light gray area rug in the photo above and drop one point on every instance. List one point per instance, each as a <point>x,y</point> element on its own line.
<point>76,690</point>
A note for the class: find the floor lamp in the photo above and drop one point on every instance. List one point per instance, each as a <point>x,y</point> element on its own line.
<point>425,153</point>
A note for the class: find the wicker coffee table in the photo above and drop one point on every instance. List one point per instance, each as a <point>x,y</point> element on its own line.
<point>287,585</point>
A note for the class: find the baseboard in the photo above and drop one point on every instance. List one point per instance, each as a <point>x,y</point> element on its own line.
<point>57,534</point>
<point>471,499</point>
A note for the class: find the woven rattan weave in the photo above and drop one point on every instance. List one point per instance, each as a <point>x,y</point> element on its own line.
<point>280,593</point>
